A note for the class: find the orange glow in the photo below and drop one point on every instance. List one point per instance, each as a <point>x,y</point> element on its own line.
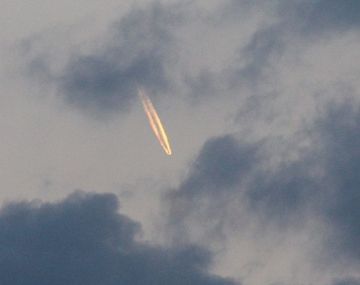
<point>155,122</point>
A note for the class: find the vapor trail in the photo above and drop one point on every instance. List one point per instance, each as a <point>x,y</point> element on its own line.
<point>155,122</point>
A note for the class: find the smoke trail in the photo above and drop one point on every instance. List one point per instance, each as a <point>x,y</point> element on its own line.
<point>155,122</point>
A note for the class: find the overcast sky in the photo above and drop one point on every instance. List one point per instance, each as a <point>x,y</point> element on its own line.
<point>261,102</point>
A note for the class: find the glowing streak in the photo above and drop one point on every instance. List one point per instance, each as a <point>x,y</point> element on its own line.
<point>155,122</point>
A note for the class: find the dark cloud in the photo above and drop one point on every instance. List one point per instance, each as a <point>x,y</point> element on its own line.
<point>321,15</point>
<point>347,282</point>
<point>324,182</point>
<point>140,50</point>
<point>282,193</point>
<point>214,179</point>
<point>229,175</point>
<point>255,65</point>
<point>265,47</point>
<point>84,240</point>
<point>340,135</point>
<point>306,20</point>
<point>143,49</point>
<point>220,165</point>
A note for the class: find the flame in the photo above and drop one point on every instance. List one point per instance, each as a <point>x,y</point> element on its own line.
<point>155,122</point>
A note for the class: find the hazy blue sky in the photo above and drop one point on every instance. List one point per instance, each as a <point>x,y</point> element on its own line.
<point>261,101</point>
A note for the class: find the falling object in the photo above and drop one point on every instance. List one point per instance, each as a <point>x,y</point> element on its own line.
<point>155,122</point>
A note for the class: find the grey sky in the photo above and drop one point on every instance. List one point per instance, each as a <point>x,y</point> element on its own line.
<point>261,103</point>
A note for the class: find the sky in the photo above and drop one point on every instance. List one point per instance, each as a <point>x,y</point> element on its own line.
<point>261,103</point>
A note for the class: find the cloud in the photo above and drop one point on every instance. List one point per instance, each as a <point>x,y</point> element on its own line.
<point>322,15</point>
<point>230,187</point>
<point>347,282</point>
<point>339,133</point>
<point>324,180</point>
<point>144,47</point>
<point>219,165</point>
<point>296,23</point>
<point>214,179</point>
<point>137,55</point>
<point>265,46</point>
<point>228,170</point>
<point>83,239</point>
<point>138,51</point>
<point>286,60</point>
